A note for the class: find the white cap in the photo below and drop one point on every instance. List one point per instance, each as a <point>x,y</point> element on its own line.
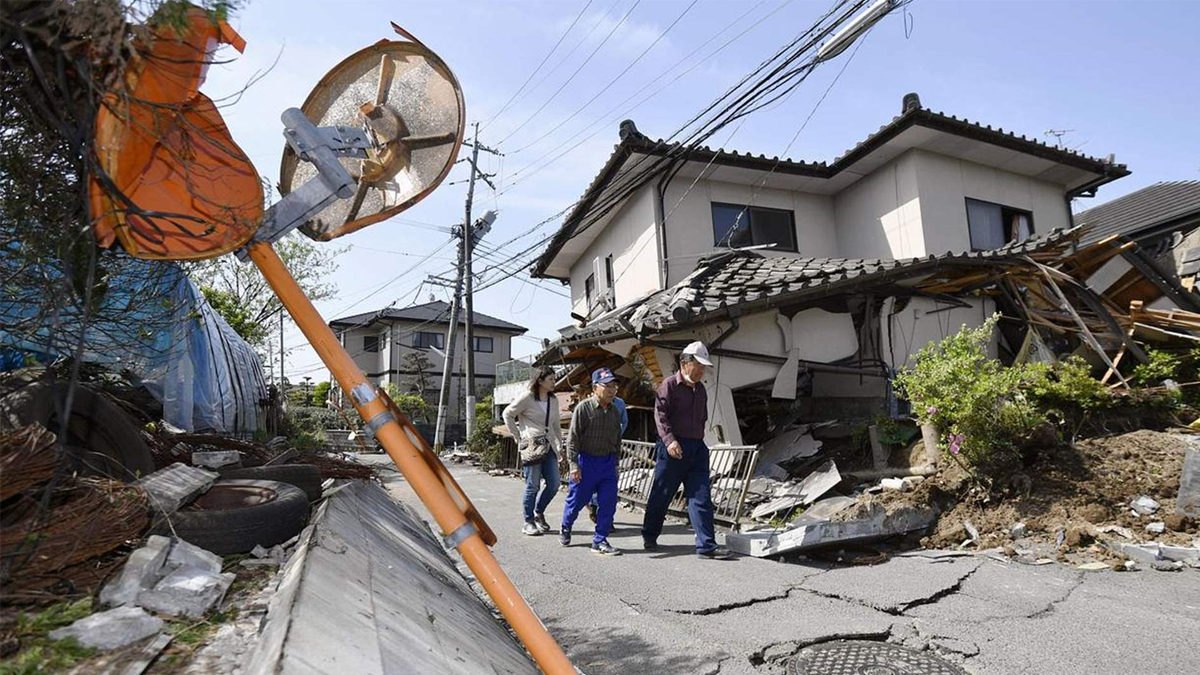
<point>698,351</point>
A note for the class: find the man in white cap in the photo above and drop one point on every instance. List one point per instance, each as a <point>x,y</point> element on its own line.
<point>680,413</point>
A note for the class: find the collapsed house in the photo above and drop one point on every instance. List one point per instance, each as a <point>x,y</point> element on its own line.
<point>813,285</point>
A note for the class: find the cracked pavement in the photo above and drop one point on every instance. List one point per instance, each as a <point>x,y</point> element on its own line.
<point>671,612</point>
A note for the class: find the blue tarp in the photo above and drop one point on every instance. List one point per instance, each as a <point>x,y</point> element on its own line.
<point>154,324</point>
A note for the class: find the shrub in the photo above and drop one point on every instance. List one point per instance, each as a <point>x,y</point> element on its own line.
<point>314,420</point>
<point>482,441</point>
<point>978,405</point>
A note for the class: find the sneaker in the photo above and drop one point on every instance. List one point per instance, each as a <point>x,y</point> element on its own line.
<point>540,521</point>
<point>649,545</point>
<point>718,553</point>
<point>605,548</point>
<point>531,529</point>
<point>592,512</point>
<point>564,537</point>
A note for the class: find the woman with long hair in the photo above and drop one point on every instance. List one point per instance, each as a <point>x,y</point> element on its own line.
<point>534,421</point>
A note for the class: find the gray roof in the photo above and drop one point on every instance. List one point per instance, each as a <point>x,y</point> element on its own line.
<point>634,142</point>
<point>437,312</point>
<point>1158,206</point>
<point>741,282</point>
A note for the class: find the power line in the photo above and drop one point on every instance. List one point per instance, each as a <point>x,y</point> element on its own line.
<point>572,77</point>
<point>603,121</point>
<point>539,66</point>
<point>610,82</point>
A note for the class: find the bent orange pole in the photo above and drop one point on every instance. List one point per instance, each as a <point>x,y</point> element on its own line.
<point>408,458</point>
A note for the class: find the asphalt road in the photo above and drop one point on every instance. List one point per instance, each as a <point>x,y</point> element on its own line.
<point>670,612</point>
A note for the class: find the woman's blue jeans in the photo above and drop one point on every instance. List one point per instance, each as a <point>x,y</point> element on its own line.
<point>545,471</point>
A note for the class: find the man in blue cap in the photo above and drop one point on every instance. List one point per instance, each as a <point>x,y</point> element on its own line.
<point>593,443</point>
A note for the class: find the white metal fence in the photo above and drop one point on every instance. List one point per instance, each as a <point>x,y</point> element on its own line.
<point>730,469</point>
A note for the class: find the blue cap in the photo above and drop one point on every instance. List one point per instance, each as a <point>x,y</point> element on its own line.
<point>602,376</point>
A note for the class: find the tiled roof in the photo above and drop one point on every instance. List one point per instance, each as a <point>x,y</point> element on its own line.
<point>741,282</point>
<point>431,312</point>
<point>1153,206</point>
<point>633,141</point>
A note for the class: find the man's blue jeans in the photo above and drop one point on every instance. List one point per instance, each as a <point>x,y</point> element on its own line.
<point>543,470</point>
<point>598,476</point>
<point>692,472</point>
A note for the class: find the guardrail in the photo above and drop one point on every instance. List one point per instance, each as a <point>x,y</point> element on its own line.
<point>730,468</point>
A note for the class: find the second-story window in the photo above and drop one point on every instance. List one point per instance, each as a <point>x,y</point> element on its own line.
<point>483,344</point>
<point>424,339</point>
<point>992,226</point>
<point>371,343</point>
<point>589,291</point>
<point>738,225</point>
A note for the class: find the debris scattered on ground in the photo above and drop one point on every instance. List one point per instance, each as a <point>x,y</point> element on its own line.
<point>142,570</point>
<point>1144,505</point>
<point>111,629</point>
<point>216,459</point>
<point>1187,501</point>
<point>173,487</point>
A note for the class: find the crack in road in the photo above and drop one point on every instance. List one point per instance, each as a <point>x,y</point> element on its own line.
<point>707,611</point>
<point>1050,608</point>
<point>950,590</point>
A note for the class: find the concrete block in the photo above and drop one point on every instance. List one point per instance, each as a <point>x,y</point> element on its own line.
<point>1018,531</point>
<point>1157,527</point>
<point>1188,501</point>
<point>1178,553</point>
<point>1142,553</point>
<point>112,629</point>
<point>215,459</point>
<point>184,554</point>
<point>877,525</point>
<point>789,445</point>
<point>813,486</point>
<point>1144,505</point>
<point>186,592</point>
<point>824,509</point>
<point>175,486</point>
<point>142,570</point>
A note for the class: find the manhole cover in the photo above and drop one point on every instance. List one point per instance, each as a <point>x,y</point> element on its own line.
<point>859,657</point>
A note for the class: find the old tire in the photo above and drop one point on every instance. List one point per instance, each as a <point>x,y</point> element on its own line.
<point>108,442</point>
<point>236,515</point>
<point>304,476</point>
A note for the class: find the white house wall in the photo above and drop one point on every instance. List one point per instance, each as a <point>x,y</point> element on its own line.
<point>926,320</point>
<point>944,183</point>
<point>629,237</point>
<point>689,229</point>
<point>879,216</point>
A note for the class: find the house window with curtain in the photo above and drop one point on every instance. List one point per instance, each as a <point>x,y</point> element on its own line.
<point>423,339</point>
<point>737,225</point>
<point>992,226</point>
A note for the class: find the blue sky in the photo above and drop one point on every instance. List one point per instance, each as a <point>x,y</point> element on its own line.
<point>1120,75</point>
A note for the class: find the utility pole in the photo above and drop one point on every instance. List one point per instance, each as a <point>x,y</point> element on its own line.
<point>281,352</point>
<point>439,434</point>
<point>469,230</point>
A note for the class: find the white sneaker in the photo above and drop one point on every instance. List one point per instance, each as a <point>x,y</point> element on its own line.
<point>531,529</point>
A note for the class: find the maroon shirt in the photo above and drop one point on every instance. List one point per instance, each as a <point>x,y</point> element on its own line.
<point>680,411</point>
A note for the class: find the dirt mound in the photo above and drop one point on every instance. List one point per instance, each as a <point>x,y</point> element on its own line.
<point>1073,492</point>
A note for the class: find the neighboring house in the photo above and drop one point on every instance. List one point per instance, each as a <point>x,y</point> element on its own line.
<point>1148,246</point>
<point>380,341</point>
<point>925,183</point>
<point>923,227</point>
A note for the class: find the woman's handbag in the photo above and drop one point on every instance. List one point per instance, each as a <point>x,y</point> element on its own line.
<point>535,449</point>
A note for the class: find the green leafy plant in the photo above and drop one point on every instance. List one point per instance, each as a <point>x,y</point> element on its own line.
<point>976,403</point>
<point>483,441</point>
<point>320,394</point>
<point>40,654</point>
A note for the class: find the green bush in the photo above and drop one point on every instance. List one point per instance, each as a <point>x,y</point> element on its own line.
<point>482,441</point>
<point>985,410</point>
<point>1163,366</point>
<point>314,420</point>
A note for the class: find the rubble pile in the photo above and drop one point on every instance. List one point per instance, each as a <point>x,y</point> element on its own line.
<point>214,453</point>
